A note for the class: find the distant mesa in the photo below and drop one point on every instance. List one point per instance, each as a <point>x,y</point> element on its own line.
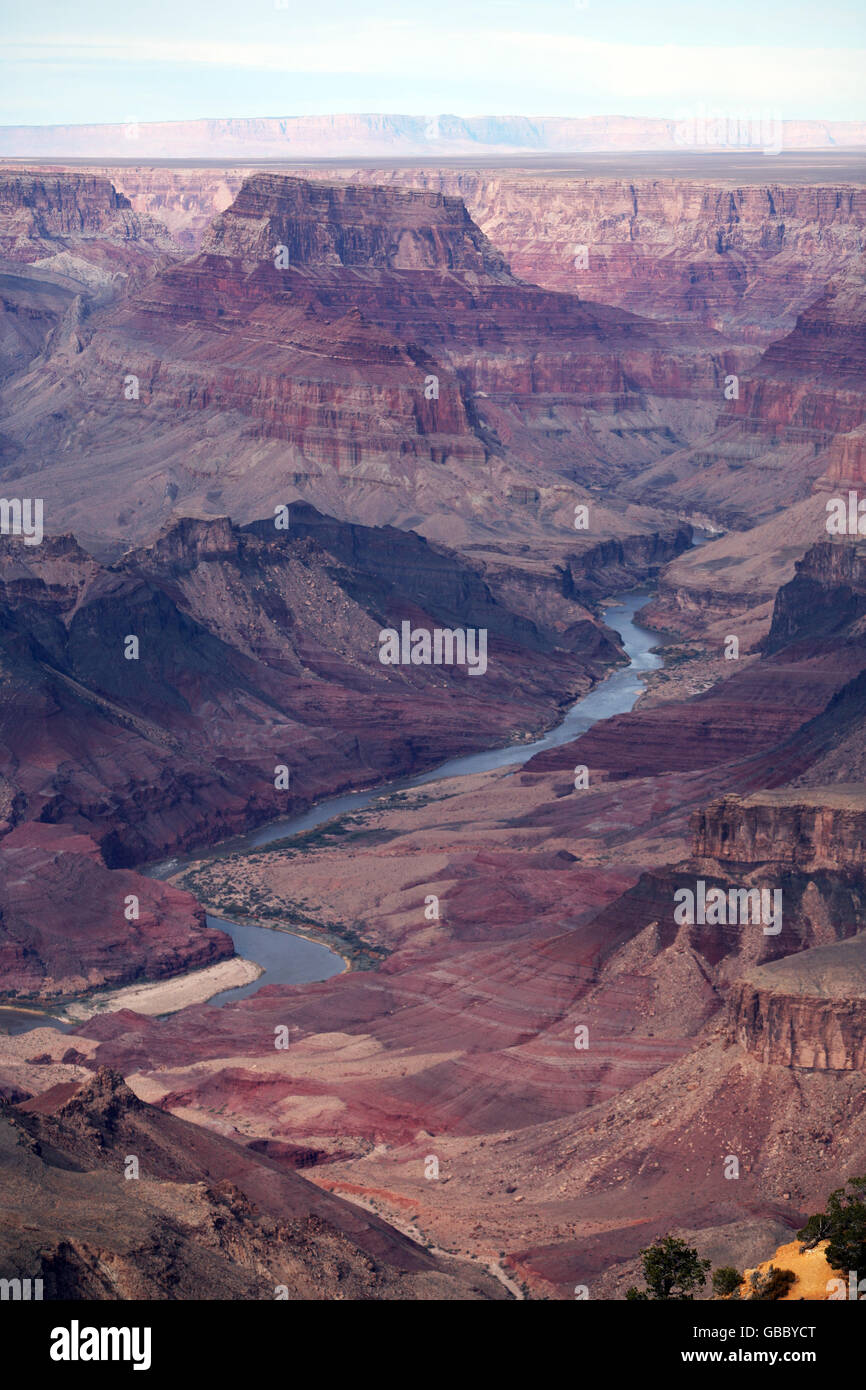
<point>362,136</point>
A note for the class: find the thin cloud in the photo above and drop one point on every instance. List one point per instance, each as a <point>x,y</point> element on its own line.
<point>734,75</point>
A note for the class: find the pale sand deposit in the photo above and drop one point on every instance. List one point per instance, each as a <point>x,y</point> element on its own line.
<point>167,996</point>
<point>814,1275</point>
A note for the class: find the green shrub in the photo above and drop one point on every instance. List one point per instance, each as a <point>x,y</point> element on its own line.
<point>726,1280</point>
<point>671,1270</point>
<point>843,1225</point>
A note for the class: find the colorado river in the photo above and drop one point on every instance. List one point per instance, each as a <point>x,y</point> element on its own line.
<point>290,959</point>
<point>614,695</point>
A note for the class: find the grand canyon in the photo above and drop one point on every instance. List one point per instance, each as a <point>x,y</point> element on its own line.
<point>375,969</point>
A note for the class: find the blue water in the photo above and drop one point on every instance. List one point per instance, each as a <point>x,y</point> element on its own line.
<point>286,958</point>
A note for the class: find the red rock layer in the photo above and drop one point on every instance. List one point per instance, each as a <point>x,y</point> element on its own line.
<point>809,1010</point>
<point>394,372</point>
<point>65,926</point>
<point>828,830</point>
<point>38,209</point>
<point>42,214</point>
<point>826,595</point>
<point>808,386</point>
<point>741,259</point>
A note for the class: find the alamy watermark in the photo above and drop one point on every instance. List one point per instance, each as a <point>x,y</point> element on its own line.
<point>22,516</point>
<point>702,906</point>
<point>20,1290</point>
<point>854,1289</point>
<point>846,517</point>
<point>441,647</point>
<point>77,1343</point>
<point>712,128</point>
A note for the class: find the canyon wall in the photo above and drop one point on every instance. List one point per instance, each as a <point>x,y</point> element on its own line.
<point>739,259</point>
<point>393,371</point>
<point>807,1011</point>
<point>742,259</point>
<point>39,209</point>
<point>325,224</point>
<point>826,595</point>
<point>824,830</point>
<point>257,650</point>
<point>807,1008</point>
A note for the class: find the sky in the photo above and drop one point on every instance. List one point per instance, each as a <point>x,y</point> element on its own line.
<point>82,61</point>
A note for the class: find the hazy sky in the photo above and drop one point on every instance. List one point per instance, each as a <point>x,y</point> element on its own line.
<point>72,61</point>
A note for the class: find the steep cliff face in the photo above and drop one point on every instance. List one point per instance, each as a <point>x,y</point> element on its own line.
<point>824,828</point>
<point>802,911</point>
<point>774,269</point>
<point>774,266</point>
<point>501,334</point>
<point>337,390</point>
<point>742,258</point>
<point>826,595</point>
<point>806,1008</point>
<point>833,743</point>
<point>808,387</point>
<point>846,460</point>
<point>68,241</point>
<point>184,201</point>
<point>38,210</point>
<point>806,1011</point>
<point>795,414</point>
<point>329,225</point>
<point>621,564</point>
<point>767,584</point>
